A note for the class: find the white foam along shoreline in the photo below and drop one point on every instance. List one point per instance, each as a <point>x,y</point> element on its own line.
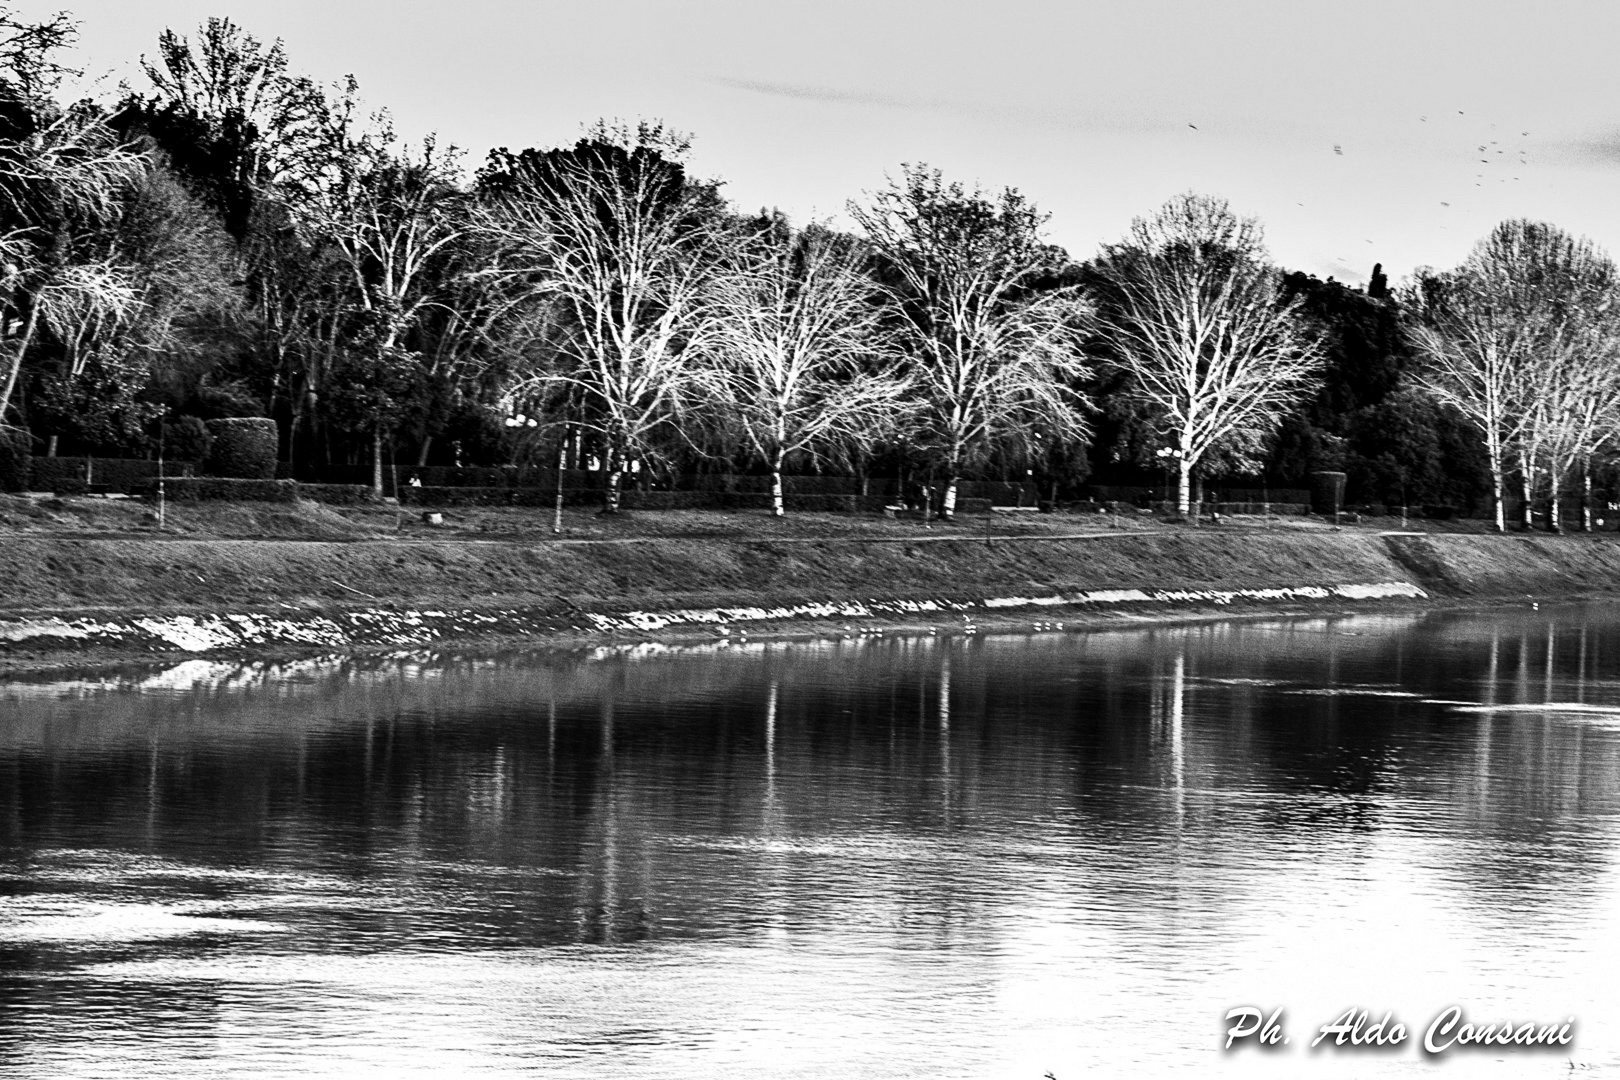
<point>404,627</point>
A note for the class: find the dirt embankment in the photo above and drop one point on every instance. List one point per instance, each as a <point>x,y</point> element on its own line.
<point>325,564</point>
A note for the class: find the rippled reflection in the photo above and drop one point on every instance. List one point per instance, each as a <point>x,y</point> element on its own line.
<point>887,856</point>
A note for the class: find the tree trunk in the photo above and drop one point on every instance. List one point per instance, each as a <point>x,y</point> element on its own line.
<point>1498,500</point>
<point>15,361</point>
<point>1183,486</point>
<point>1555,516</point>
<point>562,462</point>
<point>1526,510</point>
<point>50,447</point>
<point>376,461</point>
<point>1586,497</point>
<point>422,454</point>
<point>778,503</point>
<point>947,501</point>
<point>613,468</point>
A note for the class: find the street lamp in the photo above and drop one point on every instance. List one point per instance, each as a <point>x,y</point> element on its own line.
<point>1166,455</point>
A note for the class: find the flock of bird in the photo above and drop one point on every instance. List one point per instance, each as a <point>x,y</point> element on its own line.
<point>1494,156</point>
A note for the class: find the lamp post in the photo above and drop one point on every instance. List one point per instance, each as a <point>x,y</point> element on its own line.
<point>1166,456</point>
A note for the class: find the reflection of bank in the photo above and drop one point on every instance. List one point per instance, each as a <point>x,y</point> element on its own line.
<point>946,789</point>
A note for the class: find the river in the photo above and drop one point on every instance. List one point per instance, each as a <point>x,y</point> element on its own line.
<point>959,855</point>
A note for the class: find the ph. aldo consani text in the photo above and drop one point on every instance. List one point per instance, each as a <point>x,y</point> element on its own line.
<point>1450,1030</point>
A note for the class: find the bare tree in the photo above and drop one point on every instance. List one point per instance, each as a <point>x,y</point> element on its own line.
<point>29,69</point>
<point>391,214</point>
<point>1195,319</point>
<point>621,242</point>
<point>1575,418</point>
<point>792,358</point>
<point>62,171</point>
<point>480,328</point>
<point>128,305</point>
<point>994,358</point>
<point>1514,339</point>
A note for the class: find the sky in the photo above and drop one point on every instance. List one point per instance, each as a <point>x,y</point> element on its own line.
<point>1392,131</point>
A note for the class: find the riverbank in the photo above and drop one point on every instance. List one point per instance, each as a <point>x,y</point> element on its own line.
<point>88,584</point>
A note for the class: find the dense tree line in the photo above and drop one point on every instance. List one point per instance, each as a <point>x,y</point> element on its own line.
<point>233,240</point>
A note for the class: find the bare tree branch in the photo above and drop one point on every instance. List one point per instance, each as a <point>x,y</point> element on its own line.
<point>1519,339</point>
<point>994,361</point>
<point>792,356</point>
<point>617,238</point>
<point>1195,318</point>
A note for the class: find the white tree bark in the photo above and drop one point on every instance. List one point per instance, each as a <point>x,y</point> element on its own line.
<point>621,244</point>
<point>1194,314</point>
<point>1521,339</point>
<point>995,362</point>
<point>791,358</point>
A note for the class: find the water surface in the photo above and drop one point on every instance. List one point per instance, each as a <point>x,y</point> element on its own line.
<point>919,856</point>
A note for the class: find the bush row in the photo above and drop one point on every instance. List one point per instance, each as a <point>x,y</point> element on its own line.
<point>74,474</point>
<point>635,499</point>
<point>15,462</point>
<point>1152,496</point>
<point>496,496</point>
<point>739,500</point>
<point>211,488</point>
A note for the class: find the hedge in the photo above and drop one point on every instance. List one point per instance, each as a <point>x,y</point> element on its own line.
<point>742,483</point>
<point>997,492</point>
<point>459,476</point>
<point>738,500</point>
<point>244,448</point>
<point>67,475</point>
<point>15,462</point>
<point>630,499</point>
<point>210,488</point>
<point>337,494</point>
<point>494,496</point>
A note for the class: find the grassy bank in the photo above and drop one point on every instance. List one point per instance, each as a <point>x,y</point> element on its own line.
<point>79,557</point>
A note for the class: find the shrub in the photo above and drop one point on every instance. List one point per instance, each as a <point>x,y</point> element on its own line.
<point>243,448</point>
<point>15,462</point>
<point>187,439</point>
